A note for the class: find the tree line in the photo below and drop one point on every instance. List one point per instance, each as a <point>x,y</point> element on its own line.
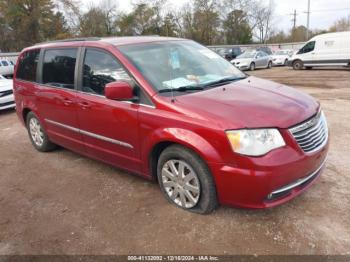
<point>26,22</point>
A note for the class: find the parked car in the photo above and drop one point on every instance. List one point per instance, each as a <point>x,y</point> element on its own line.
<point>6,93</point>
<point>265,49</point>
<point>331,49</point>
<point>6,68</point>
<point>252,60</point>
<point>173,111</point>
<point>233,53</point>
<point>281,57</point>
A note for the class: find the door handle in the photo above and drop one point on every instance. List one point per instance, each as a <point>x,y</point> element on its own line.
<point>85,105</point>
<point>67,102</point>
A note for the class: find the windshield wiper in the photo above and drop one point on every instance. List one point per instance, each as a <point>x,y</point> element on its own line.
<point>223,81</point>
<point>181,89</point>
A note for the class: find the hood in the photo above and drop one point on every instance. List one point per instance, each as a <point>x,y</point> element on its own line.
<point>5,84</point>
<point>279,56</point>
<point>243,60</point>
<point>249,103</point>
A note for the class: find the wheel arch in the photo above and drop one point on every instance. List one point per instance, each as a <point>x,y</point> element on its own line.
<point>185,138</point>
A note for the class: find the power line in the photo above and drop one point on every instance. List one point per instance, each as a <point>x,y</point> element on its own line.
<point>330,10</point>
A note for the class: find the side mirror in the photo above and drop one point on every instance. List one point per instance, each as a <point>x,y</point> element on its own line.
<point>119,90</point>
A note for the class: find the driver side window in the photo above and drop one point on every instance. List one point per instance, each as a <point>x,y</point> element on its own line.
<point>309,47</point>
<point>101,68</point>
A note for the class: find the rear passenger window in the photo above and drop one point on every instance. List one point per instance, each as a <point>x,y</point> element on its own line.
<point>101,68</point>
<point>59,67</point>
<point>27,66</point>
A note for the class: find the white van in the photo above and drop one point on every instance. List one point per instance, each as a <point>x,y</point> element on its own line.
<point>331,49</point>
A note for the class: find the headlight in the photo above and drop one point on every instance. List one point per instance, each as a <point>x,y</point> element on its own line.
<point>255,142</point>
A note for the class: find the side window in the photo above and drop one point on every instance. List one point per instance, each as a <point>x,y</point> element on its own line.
<point>27,66</point>
<point>59,67</point>
<point>101,68</point>
<point>4,63</point>
<point>307,48</point>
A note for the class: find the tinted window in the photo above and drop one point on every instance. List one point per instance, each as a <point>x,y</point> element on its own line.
<point>27,66</point>
<point>59,67</point>
<point>307,48</point>
<point>100,69</point>
<point>4,63</point>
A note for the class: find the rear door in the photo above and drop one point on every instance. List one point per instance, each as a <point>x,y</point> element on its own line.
<point>57,96</point>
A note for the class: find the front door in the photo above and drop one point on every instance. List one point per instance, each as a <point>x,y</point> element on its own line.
<point>109,128</point>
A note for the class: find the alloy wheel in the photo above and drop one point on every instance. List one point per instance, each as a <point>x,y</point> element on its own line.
<point>180,183</point>
<point>36,132</point>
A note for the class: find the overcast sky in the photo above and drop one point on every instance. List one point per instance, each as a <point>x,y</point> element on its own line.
<point>324,12</point>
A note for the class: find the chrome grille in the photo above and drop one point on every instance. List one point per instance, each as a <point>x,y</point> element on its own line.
<point>311,135</point>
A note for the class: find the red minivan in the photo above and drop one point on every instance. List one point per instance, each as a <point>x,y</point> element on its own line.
<point>173,111</point>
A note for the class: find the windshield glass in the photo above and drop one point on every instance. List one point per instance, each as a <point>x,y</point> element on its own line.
<point>247,55</point>
<point>177,64</point>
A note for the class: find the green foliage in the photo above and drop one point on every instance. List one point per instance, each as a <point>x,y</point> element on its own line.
<point>27,22</point>
<point>237,29</point>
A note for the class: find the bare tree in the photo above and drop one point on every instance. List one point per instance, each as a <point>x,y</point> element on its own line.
<point>261,20</point>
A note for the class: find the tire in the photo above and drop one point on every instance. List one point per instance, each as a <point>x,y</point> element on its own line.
<point>37,134</point>
<point>308,67</point>
<point>198,194</point>
<point>269,66</point>
<point>252,67</point>
<point>298,65</point>
<point>285,62</point>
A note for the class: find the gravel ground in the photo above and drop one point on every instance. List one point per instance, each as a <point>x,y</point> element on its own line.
<point>63,203</point>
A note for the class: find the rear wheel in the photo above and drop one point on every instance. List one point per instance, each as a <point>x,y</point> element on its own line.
<point>252,67</point>
<point>37,134</point>
<point>298,65</point>
<point>285,62</point>
<point>185,180</point>
<point>269,66</point>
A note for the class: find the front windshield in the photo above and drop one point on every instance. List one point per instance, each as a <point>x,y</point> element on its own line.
<point>247,55</point>
<point>176,64</point>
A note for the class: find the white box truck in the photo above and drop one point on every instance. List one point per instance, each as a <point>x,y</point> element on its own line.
<point>332,49</point>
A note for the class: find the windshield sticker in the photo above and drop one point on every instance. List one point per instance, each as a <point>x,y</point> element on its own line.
<point>174,59</point>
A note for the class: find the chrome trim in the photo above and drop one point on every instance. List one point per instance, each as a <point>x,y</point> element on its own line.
<point>83,132</point>
<point>307,124</point>
<point>312,135</point>
<point>298,182</point>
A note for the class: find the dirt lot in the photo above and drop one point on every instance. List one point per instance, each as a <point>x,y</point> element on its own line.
<point>61,202</point>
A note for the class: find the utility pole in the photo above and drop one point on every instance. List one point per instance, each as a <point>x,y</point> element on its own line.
<point>294,19</point>
<point>308,20</point>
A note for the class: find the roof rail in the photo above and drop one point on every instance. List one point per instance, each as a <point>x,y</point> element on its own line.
<point>71,40</point>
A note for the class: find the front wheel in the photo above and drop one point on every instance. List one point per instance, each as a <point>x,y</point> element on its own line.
<point>37,135</point>
<point>269,66</point>
<point>298,65</point>
<point>252,67</point>
<point>186,181</point>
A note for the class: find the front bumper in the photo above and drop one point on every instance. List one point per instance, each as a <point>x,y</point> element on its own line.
<point>7,102</point>
<point>270,180</point>
<point>242,67</point>
<point>277,62</point>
